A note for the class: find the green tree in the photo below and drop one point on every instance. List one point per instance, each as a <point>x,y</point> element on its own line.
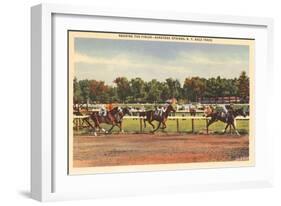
<point>98,91</point>
<point>164,94</point>
<point>174,88</point>
<point>230,87</point>
<point>123,88</point>
<point>153,91</point>
<point>194,88</point>
<point>85,90</point>
<point>137,89</point>
<point>76,92</point>
<point>219,87</point>
<point>243,86</point>
<point>112,93</point>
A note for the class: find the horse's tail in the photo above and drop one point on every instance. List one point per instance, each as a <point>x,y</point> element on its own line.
<point>142,114</point>
<point>94,117</point>
<point>144,117</point>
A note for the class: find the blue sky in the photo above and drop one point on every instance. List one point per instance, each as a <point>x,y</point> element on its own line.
<point>106,59</point>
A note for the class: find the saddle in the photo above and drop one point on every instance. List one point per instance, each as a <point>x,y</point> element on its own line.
<point>223,114</point>
<point>157,114</point>
<point>107,118</point>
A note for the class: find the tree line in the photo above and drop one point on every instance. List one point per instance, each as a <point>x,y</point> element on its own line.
<point>136,90</point>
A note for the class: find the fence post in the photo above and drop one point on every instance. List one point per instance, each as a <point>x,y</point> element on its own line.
<point>78,123</point>
<point>75,124</point>
<point>207,128</point>
<point>177,125</point>
<point>140,124</point>
<point>192,125</point>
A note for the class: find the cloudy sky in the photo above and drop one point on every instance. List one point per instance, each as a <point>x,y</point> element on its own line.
<point>106,59</point>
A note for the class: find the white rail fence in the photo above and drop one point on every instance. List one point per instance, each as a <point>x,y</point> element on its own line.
<point>79,121</point>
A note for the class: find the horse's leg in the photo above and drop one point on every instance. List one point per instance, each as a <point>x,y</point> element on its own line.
<point>98,122</point>
<point>144,123</point>
<point>225,128</point>
<point>157,127</point>
<point>211,121</point>
<point>111,128</point>
<point>164,125</point>
<point>94,128</point>
<point>150,122</point>
<point>102,129</point>
<point>235,129</point>
<point>95,125</point>
<point>120,127</point>
<point>113,125</point>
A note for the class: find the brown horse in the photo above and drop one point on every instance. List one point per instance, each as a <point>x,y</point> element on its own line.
<point>114,117</point>
<point>161,118</point>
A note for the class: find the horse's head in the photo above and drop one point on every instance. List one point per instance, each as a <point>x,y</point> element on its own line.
<point>127,111</point>
<point>240,112</point>
<point>170,108</point>
<point>208,110</point>
<point>119,109</point>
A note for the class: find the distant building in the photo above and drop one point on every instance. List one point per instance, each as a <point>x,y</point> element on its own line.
<point>222,100</point>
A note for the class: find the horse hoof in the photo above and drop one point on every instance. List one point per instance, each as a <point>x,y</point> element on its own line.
<point>95,134</point>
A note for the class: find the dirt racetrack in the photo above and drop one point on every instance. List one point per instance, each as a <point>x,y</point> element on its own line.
<point>140,149</point>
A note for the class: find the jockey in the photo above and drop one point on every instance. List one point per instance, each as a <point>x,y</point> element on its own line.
<point>157,110</point>
<point>164,108</point>
<point>103,111</point>
<point>226,112</point>
<point>109,106</point>
<point>117,115</point>
<point>208,110</point>
<point>224,109</point>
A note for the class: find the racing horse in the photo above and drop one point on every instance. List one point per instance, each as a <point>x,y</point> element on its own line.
<point>227,118</point>
<point>161,118</point>
<point>114,117</point>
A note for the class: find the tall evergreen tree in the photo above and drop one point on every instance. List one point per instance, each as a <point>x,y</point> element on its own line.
<point>243,86</point>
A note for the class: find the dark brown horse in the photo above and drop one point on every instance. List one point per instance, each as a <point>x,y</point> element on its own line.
<point>113,117</point>
<point>227,118</point>
<point>150,116</point>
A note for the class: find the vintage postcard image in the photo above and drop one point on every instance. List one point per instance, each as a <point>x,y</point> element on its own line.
<point>150,102</point>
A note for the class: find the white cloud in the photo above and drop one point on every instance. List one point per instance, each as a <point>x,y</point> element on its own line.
<point>83,58</point>
<point>148,67</point>
<point>210,59</point>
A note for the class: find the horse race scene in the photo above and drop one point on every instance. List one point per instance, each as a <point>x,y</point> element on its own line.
<point>144,102</point>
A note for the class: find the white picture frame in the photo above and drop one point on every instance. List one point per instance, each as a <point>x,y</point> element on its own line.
<point>50,181</point>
